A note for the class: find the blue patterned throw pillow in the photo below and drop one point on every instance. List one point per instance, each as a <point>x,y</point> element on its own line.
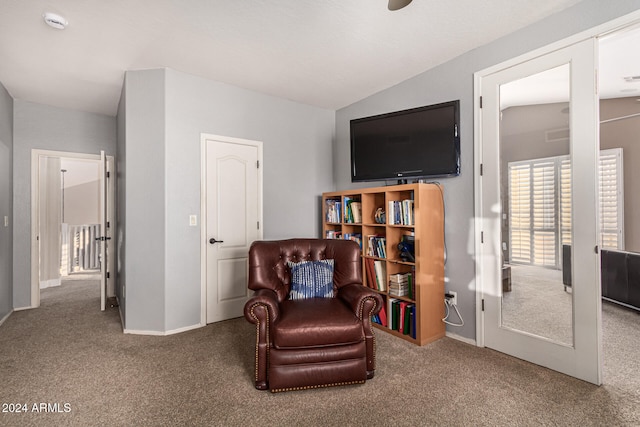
<point>311,279</point>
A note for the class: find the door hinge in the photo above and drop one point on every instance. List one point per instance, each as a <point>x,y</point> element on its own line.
<point>108,275</point>
<point>480,102</point>
<point>482,304</point>
<point>108,174</point>
<point>595,249</point>
<point>258,164</point>
<point>108,224</point>
<point>481,169</point>
<point>258,224</point>
<point>482,237</point>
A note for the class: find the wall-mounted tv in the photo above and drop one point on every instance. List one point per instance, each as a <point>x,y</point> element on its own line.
<point>420,142</point>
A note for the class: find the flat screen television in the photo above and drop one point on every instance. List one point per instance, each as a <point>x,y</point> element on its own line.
<point>420,142</point>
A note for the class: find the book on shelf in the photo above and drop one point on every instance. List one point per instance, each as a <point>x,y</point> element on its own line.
<point>380,270</point>
<point>393,312</point>
<point>410,320</point>
<point>402,305</point>
<point>332,210</point>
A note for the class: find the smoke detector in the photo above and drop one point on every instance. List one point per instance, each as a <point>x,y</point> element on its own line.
<point>55,20</point>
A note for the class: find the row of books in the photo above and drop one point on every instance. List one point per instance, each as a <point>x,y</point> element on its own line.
<point>400,212</point>
<point>352,211</point>
<point>377,246</point>
<point>332,210</point>
<point>402,285</point>
<point>376,272</point>
<point>401,316</point>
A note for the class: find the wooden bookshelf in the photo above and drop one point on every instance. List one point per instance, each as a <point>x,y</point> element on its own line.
<point>426,225</point>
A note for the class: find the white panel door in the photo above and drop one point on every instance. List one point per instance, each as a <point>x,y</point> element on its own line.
<point>233,211</point>
<point>524,226</point>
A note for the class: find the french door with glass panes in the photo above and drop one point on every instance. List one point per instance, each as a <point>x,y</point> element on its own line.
<point>533,114</point>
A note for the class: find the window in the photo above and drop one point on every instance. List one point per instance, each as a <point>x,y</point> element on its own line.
<point>540,207</point>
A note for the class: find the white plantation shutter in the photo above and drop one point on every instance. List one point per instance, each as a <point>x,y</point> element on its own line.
<point>544,213</point>
<point>537,228</point>
<point>520,212</point>
<point>611,199</point>
<point>565,201</point>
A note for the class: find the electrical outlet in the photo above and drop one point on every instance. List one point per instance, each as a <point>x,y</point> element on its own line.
<point>454,299</point>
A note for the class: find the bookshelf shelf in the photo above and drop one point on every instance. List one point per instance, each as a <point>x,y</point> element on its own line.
<point>413,213</point>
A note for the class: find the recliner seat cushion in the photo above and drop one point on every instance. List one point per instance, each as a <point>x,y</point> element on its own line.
<point>316,322</point>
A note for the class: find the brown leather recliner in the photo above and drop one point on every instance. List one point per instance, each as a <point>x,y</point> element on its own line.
<point>316,342</point>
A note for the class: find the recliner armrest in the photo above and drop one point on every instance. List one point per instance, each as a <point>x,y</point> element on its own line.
<point>266,299</point>
<point>363,301</point>
<point>262,310</point>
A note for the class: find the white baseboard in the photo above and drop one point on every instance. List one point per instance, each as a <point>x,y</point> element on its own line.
<point>22,308</point>
<point>50,283</point>
<point>6,317</point>
<point>163,333</point>
<point>461,338</point>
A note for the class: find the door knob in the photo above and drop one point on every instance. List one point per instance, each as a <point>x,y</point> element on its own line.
<point>213,240</point>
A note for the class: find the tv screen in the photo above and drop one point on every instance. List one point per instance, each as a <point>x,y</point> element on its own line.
<point>417,143</point>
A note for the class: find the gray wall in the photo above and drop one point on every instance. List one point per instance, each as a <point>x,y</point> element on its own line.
<point>297,168</point>
<point>142,175</point>
<point>454,80</point>
<point>38,126</point>
<point>6,202</point>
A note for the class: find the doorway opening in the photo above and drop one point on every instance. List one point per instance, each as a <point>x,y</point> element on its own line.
<point>72,211</point>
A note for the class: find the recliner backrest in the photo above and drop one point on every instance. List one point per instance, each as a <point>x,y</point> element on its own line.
<point>268,262</point>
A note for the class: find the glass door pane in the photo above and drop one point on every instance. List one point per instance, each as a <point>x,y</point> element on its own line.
<point>536,204</point>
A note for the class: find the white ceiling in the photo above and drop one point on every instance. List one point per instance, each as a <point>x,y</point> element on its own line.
<point>327,53</point>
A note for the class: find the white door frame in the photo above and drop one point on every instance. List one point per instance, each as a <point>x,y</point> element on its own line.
<point>35,208</point>
<point>600,30</point>
<point>203,208</point>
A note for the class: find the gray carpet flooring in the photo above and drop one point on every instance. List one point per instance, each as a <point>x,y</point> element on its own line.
<point>68,352</point>
<point>538,304</point>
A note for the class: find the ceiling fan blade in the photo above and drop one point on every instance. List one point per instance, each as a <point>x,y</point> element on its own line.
<point>398,4</point>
